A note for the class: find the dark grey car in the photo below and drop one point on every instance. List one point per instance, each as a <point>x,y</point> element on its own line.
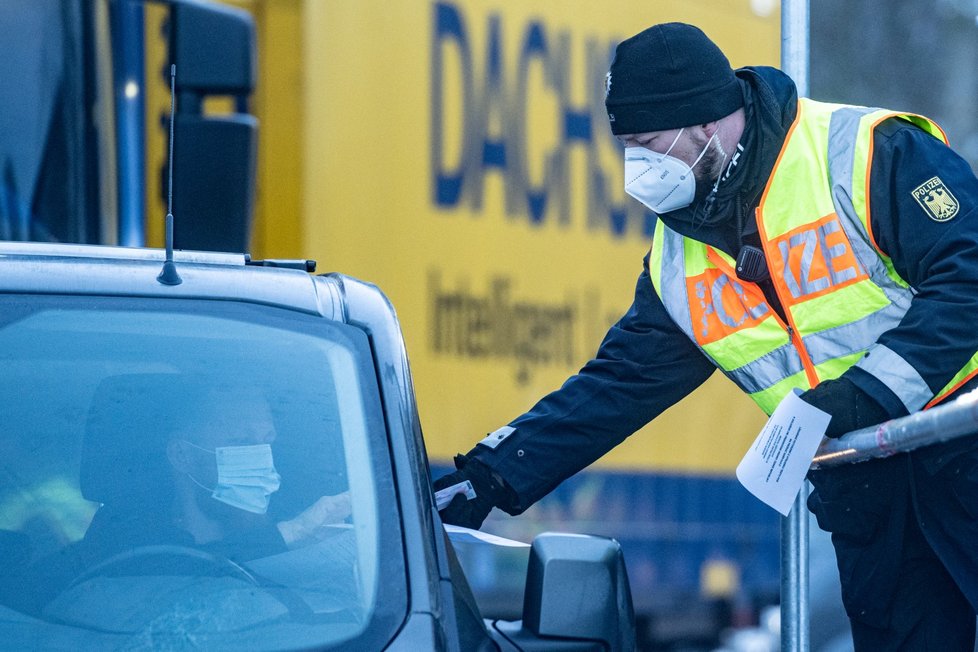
<point>236,462</point>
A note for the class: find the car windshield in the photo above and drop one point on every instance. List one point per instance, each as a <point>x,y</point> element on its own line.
<point>191,474</point>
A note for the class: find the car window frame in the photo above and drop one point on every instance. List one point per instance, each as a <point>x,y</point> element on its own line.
<point>391,603</point>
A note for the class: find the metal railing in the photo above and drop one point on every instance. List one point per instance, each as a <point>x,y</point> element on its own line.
<point>958,418</point>
<point>942,423</point>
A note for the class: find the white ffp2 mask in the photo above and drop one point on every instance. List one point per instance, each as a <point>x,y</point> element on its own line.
<point>662,182</point>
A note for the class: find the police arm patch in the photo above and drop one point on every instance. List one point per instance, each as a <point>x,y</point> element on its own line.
<point>936,200</point>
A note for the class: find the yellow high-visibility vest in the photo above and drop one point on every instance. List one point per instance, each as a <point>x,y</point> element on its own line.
<point>839,291</point>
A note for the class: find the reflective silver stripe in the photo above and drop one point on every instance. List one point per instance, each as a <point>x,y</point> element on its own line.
<point>852,337</point>
<point>898,375</point>
<point>843,131</point>
<point>843,128</point>
<point>768,370</point>
<point>827,345</point>
<point>673,280</point>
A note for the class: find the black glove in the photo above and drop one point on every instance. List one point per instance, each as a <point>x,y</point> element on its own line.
<point>851,408</point>
<point>490,491</point>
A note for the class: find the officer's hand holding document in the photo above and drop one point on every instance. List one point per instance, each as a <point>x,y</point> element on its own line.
<point>774,468</point>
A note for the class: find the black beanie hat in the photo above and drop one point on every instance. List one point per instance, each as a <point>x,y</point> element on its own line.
<point>669,76</point>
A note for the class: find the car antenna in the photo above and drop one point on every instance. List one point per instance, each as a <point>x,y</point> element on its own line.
<point>169,275</point>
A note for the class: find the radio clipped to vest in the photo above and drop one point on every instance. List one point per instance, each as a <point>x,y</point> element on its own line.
<point>751,266</point>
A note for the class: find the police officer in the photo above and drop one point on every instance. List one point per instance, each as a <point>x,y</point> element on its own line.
<point>799,244</point>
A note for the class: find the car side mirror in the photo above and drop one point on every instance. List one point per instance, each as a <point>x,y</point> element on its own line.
<point>576,588</point>
<point>215,156</point>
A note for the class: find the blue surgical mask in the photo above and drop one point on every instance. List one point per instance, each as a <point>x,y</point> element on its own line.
<point>246,476</point>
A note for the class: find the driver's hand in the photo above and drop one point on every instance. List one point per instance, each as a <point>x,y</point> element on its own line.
<point>312,525</point>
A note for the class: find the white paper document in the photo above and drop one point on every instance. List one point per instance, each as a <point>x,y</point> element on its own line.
<point>460,534</point>
<point>443,497</point>
<point>774,468</point>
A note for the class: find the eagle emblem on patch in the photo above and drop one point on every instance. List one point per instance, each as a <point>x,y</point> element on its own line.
<point>936,200</point>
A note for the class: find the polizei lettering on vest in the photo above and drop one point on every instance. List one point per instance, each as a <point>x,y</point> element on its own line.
<point>720,305</point>
<point>816,258</point>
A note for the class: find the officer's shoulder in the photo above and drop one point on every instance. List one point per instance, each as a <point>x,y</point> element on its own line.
<point>900,129</point>
<point>897,137</point>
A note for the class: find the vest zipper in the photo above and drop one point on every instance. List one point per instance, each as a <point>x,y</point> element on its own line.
<point>788,322</point>
<point>795,340</point>
<point>806,361</point>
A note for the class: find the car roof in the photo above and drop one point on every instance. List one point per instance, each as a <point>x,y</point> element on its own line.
<point>27,267</point>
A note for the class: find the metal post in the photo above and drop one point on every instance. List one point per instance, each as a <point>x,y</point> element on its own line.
<point>794,42</point>
<point>794,576</point>
<point>794,527</point>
